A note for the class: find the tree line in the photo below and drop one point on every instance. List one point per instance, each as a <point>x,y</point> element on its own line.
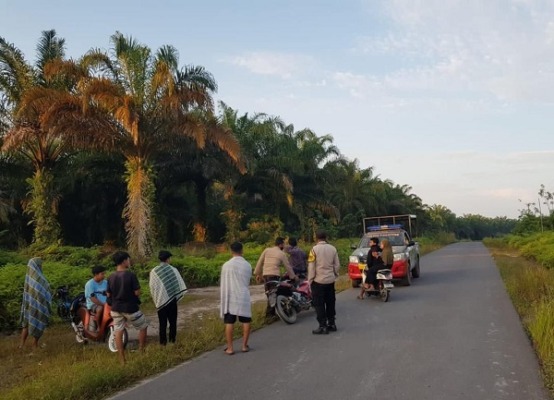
<point>126,146</point>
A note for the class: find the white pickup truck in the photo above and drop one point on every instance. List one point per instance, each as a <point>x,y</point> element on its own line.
<point>406,253</point>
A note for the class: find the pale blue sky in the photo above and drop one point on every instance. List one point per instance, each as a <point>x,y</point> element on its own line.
<point>454,98</point>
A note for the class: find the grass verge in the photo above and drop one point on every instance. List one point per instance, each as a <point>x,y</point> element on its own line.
<point>531,289</point>
<point>67,370</point>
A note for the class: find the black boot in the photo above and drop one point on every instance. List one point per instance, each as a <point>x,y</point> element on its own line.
<point>332,327</point>
<point>322,330</point>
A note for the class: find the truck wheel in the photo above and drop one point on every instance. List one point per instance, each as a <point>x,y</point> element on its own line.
<point>356,283</point>
<point>415,271</point>
<point>407,281</point>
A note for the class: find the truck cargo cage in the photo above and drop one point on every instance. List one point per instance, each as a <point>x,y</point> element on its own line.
<point>405,221</point>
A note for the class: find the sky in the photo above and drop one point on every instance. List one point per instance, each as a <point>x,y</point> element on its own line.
<point>452,98</point>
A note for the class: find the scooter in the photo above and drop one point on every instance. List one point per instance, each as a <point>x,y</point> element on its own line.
<point>289,299</point>
<point>85,327</point>
<point>384,285</point>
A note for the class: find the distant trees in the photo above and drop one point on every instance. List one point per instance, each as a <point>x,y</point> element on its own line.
<point>539,216</point>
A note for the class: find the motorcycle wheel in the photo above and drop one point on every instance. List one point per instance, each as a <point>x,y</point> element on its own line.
<point>110,339</point>
<point>383,292</point>
<point>80,337</point>
<point>285,310</point>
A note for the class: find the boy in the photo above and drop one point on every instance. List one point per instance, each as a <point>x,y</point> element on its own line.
<point>124,292</point>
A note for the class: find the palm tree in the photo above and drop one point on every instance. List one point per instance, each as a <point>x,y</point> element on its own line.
<point>312,175</point>
<point>41,146</point>
<point>155,105</point>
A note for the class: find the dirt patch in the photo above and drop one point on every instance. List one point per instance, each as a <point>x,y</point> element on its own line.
<point>196,303</point>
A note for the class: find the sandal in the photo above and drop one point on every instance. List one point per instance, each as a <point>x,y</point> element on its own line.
<point>246,349</point>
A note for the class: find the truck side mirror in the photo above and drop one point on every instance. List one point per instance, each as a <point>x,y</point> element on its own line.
<point>411,243</point>
<point>353,246</point>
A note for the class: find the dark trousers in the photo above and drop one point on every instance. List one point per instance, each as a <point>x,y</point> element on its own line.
<point>371,275</point>
<point>270,311</point>
<point>167,314</point>
<point>323,299</point>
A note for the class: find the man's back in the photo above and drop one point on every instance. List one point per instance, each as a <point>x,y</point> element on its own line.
<point>122,286</point>
<point>324,263</point>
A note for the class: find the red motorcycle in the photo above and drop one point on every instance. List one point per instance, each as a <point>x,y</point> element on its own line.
<point>84,324</point>
<point>288,298</point>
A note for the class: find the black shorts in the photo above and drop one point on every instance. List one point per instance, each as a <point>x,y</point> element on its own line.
<point>231,319</point>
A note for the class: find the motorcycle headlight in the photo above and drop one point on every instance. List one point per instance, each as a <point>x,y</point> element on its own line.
<point>353,260</point>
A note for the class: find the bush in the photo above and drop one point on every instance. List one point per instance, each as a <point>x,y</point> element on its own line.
<point>64,265</point>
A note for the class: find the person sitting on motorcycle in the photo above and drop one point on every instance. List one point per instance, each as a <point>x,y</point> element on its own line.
<point>297,258</point>
<point>386,254</point>
<point>376,265</point>
<point>374,241</point>
<point>95,292</point>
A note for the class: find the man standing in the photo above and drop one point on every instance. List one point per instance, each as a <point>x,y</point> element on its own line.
<point>124,291</point>
<point>297,257</point>
<point>235,297</point>
<point>323,269</point>
<point>166,288</point>
<point>268,268</point>
<point>95,294</point>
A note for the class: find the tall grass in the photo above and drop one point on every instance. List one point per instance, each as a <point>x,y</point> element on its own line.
<point>531,288</point>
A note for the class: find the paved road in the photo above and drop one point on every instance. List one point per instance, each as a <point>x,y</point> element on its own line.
<point>452,335</point>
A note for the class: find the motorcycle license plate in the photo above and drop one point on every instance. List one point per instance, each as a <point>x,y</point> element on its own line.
<point>388,285</point>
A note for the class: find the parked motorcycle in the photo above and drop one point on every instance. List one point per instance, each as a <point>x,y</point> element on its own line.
<point>63,303</point>
<point>384,284</point>
<point>82,321</point>
<point>289,299</point>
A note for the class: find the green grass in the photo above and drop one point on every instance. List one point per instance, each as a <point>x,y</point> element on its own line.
<point>67,370</point>
<point>531,288</point>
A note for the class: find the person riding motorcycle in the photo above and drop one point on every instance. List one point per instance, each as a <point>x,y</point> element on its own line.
<point>95,294</point>
<point>379,261</point>
<point>374,263</point>
<point>374,241</point>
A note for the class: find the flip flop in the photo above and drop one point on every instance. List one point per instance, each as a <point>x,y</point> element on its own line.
<point>226,352</point>
<point>246,349</point>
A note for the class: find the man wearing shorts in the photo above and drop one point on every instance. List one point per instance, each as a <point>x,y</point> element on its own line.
<point>235,297</point>
<point>124,292</point>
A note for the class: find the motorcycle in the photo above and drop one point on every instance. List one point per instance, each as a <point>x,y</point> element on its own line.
<point>63,302</point>
<point>84,323</point>
<point>289,299</point>
<point>384,284</point>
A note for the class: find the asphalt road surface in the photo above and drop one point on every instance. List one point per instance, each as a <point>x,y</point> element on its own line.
<point>453,334</point>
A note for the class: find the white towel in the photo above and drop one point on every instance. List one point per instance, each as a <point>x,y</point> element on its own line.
<point>235,287</point>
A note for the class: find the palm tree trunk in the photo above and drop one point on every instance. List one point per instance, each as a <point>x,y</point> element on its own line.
<point>138,209</point>
<point>43,208</point>
<point>200,231</point>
